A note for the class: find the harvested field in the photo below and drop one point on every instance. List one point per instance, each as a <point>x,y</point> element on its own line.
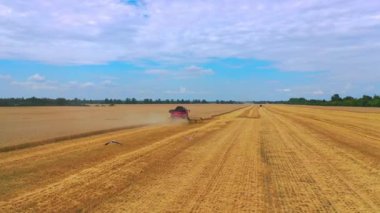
<point>344,108</point>
<point>19,125</point>
<point>272,158</point>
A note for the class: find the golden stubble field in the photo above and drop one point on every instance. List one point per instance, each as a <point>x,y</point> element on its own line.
<point>275,158</point>
<point>19,125</point>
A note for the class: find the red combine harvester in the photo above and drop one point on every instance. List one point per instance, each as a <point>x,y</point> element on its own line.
<point>179,112</point>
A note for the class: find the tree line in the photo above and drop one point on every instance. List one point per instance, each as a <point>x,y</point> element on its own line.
<point>33,101</point>
<point>335,100</point>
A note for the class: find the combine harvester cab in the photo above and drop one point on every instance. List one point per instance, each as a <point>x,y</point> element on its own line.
<point>179,112</point>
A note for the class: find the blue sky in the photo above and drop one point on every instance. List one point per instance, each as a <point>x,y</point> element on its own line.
<point>241,50</point>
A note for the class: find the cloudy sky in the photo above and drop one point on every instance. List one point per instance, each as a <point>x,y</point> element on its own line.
<point>212,49</point>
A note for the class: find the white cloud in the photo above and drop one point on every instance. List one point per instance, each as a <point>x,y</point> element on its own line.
<point>318,92</point>
<point>376,17</point>
<point>36,85</point>
<point>185,73</point>
<point>39,82</point>
<point>36,82</point>
<point>5,77</point>
<point>78,85</point>
<point>197,71</point>
<point>284,90</point>
<point>158,72</point>
<point>107,83</point>
<point>181,90</point>
<point>329,35</point>
<point>87,85</point>
<point>36,77</point>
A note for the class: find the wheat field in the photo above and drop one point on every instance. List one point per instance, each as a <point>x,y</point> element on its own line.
<point>274,158</point>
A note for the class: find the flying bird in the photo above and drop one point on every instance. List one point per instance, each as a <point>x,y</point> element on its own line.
<point>112,142</point>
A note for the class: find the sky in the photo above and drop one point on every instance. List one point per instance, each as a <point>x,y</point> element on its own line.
<point>199,49</point>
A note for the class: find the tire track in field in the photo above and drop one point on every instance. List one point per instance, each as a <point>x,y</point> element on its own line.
<point>198,176</point>
<point>179,172</point>
<point>222,180</point>
<point>360,174</point>
<point>333,169</point>
<point>45,165</point>
<point>365,126</point>
<point>352,141</point>
<point>251,160</point>
<point>349,138</point>
<point>230,184</point>
<point>287,184</point>
<point>90,186</point>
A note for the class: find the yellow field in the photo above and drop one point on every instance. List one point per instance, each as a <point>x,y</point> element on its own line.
<point>19,125</point>
<point>268,159</point>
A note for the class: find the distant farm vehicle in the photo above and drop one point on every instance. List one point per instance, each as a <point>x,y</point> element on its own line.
<point>179,112</point>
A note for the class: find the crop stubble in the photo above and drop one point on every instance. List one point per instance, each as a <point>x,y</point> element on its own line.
<point>26,125</point>
<point>254,159</point>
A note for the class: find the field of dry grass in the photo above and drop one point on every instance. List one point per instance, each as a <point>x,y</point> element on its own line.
<point>274,158</point>
<point>19,125</point>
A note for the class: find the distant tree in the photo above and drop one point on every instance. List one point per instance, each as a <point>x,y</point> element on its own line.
<point>61,101</point>
<point>348,98</point>
<point>336,98</point>
<point>365,100</point>
<point>375,101</point>
<point>348,101</point>
<point>297,101</point>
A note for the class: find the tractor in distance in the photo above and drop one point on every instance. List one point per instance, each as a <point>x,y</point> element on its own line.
<point>179,112</point>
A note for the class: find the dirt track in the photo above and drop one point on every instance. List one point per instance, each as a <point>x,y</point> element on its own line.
<point>253,159</point>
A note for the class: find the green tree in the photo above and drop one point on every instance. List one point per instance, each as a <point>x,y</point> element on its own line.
<point>336,98</point>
